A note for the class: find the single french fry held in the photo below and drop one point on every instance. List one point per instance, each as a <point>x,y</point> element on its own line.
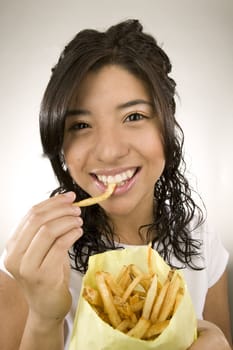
<point>98,199</point>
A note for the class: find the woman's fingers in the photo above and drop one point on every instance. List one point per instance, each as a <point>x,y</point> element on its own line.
<point>46,237</point>
<point>59,207</point>
<point>58,252</point>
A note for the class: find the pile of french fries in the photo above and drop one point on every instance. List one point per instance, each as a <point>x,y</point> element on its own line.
<point>134,302</point>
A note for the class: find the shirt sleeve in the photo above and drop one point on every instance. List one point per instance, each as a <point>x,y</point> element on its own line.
<point>216,256</point>
<point>2,265</point>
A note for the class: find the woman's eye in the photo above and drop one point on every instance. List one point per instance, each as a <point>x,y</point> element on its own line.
<point>134,117</point>
<point>78,126</point>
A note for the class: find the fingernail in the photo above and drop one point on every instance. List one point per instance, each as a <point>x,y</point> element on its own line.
<point>80,231</point>
<point>79,221</point>
<point>77,210</point>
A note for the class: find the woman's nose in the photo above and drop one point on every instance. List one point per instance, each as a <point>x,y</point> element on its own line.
<point>111,146</point>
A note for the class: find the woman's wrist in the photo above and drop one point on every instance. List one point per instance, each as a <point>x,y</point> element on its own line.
<point>41,333</point>
<point>42,324</point>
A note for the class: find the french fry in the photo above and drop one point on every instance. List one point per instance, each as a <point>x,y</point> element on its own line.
<point>125,278</point>
<point>92,296</point>
<point>170,298</point>
<point>115,288</point>
<point>125,325</point>
<point>136,303</point>
<point>131,287</point>
<point>142,294</point>
<point>140,328</point>
<point>150,298</point>
<point>149,259</point>
<point>145,281</point>
<point>134,299</point>
<point>107,300</point>
<point>159,301</point>
<point>138,306</point>
<point>124,309</point>
<point>121,273</point>
<point>100,198</point>
<point>156,329</point>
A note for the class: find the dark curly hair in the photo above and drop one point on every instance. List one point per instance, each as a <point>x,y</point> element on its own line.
<point>126,45</point>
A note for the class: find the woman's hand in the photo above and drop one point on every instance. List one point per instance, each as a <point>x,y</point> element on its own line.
<point>37,256</point>
<point>210,337</point>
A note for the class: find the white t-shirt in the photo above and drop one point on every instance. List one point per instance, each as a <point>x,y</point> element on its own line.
<point>214,260</point>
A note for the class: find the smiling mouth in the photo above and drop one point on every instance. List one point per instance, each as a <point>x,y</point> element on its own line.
<point>119,179</point>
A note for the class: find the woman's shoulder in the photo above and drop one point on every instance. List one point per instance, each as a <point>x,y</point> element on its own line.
<point>210,239</point>
<point>213,253</point>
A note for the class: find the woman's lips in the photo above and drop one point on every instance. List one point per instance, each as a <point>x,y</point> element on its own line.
<point>123,185</point>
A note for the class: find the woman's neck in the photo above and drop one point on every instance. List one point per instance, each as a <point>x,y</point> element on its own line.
<point>133,230</point>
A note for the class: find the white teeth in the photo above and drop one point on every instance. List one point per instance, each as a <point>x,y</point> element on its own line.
<point>104,178</point>
<point>118,179</point>
<point>110,179</point>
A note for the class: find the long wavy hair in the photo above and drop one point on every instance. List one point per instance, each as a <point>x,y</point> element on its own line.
<point>126,45</point>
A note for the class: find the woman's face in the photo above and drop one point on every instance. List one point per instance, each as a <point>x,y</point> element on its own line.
<point>112,135</point>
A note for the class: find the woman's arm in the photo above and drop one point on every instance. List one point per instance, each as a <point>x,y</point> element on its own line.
<point>18,330</point>
<point>42,334</point>
<point>210,337</point>
<point>217,308</point>
<point>13,313</point>
<point>37,257</point>
<point>214,331</point>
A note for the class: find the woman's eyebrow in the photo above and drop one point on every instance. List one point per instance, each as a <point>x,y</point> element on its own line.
<point>76,112</point>
<point>133,103</point>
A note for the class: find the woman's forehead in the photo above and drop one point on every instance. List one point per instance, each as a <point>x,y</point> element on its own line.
<point>111,83</point>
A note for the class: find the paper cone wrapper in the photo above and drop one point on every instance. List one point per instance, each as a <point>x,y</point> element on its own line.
<point>90,332</point>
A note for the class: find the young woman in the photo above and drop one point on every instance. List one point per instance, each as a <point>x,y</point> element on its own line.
<point>108,115</point>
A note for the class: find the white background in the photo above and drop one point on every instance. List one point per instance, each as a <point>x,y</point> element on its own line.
<point>198,37</point>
